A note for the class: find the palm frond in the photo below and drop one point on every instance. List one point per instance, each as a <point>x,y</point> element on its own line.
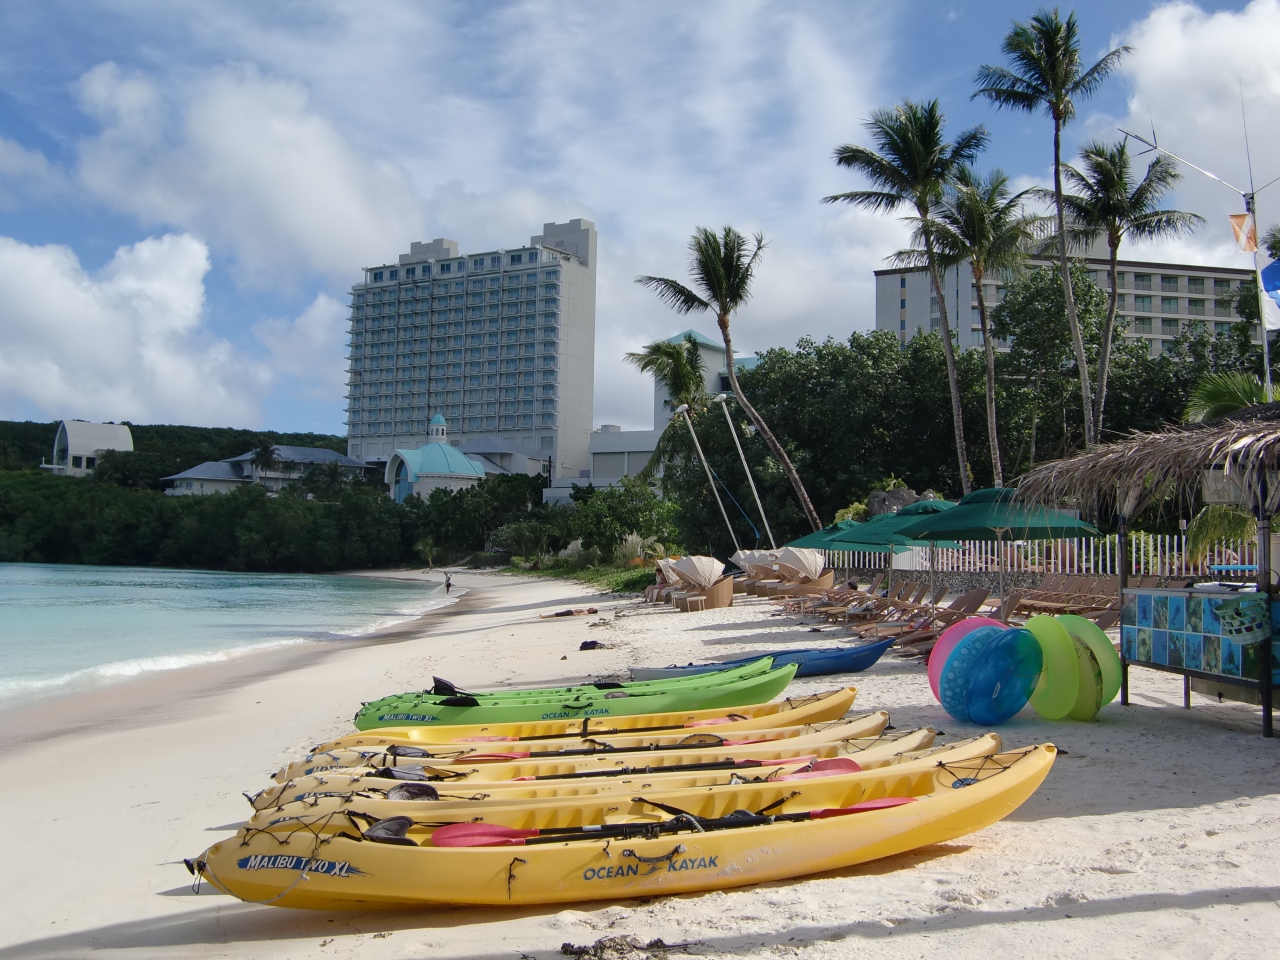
<point>1215,523</point>
<point>675,294</point>
<point>1219,394</point>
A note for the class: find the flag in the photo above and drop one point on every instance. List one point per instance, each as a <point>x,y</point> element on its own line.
<point>1270,277</point>
<point>1246,232</point>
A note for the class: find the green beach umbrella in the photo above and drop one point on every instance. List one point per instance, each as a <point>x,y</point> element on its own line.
<point>882,533</point>
<point>821,539</point>
<point>991,514</point>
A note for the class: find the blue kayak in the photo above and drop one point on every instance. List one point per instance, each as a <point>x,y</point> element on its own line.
<point>813,662</point>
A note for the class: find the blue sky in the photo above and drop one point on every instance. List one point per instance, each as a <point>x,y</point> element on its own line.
<point>187,190</point>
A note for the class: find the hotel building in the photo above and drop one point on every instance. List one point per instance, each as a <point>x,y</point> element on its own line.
<point>501,343</point>
<point>1157,301</point>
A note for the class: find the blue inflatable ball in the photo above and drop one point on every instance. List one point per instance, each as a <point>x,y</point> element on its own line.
<point>953,684</point>
<point>989,678</point>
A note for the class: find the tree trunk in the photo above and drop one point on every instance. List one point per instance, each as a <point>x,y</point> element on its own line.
<point>953,378</point>
<point>774,446</point>
<point>1104,352</point>
<point>997,472</point>
<point>1077,338</point>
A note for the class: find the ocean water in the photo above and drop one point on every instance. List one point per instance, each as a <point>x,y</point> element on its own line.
<point>70,627</point>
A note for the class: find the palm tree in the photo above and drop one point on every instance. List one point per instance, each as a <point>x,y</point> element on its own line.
<point>981,222</point>
<point>264,457</point>
<point>723,266</point>
<point>1219,394</point>
<point>679,369</point>
<point>1108,202</point>
<point>1045,72</point>
<point>911,166</point>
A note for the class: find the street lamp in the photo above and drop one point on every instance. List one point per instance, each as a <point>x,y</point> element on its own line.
<point>683,409</point>
<point>721,399</point>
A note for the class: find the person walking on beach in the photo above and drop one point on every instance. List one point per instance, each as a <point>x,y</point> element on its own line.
<point>448,583</point>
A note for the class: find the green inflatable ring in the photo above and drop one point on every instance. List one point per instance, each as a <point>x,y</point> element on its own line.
<point>1103,650</point>
<point>1055,695</point>
<point>1089,699</point>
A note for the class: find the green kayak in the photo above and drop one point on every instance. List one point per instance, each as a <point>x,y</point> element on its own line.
<point>443,688</point>
<point>410,710</point>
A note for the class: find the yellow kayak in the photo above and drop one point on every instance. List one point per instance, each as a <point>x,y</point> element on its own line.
<point>445,754</point>
<point>808,827</point>
<point>504,766</point>
<point>497,803</point>
<point>830,705</point>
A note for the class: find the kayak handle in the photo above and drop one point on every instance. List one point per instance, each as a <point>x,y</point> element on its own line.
<point>675,851</point>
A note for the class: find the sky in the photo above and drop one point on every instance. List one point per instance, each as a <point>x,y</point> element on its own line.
<point>189,190</point>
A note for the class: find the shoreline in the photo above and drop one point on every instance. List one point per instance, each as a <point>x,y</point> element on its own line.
<point>164,695</point>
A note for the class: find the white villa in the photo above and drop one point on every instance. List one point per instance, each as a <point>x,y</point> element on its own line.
<point>78,445</point>
<point>292,464</point>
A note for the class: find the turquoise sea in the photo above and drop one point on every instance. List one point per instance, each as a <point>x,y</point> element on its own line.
<point>70,627</point>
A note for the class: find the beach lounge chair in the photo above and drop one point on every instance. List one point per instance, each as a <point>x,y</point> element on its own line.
<point>714,597</point>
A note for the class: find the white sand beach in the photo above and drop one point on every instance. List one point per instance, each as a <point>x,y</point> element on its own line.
<point>1155,834</point>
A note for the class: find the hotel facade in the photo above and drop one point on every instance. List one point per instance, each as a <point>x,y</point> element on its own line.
<point>1156,301</point>
<point>500,343</point>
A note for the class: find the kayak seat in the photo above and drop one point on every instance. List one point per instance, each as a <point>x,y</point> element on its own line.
<point>405,750</point>
<point>391,830</point>
<point>463,701</point>
<point>410,771</point>
<point>413,791</point>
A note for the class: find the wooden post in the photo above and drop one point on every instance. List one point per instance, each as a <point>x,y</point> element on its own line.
<point>1122,561</point>
<point>1264,588</point>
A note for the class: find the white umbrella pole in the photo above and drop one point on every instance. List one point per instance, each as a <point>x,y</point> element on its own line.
<point>684,409</point>
<point>733,432</point>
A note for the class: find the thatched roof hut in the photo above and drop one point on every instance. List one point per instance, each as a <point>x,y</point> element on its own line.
<point>1242,450</point>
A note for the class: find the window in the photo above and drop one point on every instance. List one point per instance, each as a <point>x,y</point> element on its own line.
<point>392,274</point>
<point>77,462</point>
<point>426,269</point>
<point>1168,304</point>
<point>517,258</point>
<point>1122,278</point>
<point>1120,301</point>
<point>1142,281</point>
<point>1221,308</point>
<point>90,462</point>
<point>410,272</point>
<point>446,268</point>
<point>1222,329</point>
<point>1195,284</point>
<point>1141,302</point>
<point>1168,284</point>
<point>902,282</point>
<point>1141,324</point>
<point>1195,308</point>
<point>377,276</point>
<point>902,303</point>
<point>1169,328</point>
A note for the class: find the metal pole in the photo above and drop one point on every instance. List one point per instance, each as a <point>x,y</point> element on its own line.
<point>733,432</point>
<point>1264,588</point>
<point>1122,583</point>
<point>1251,208</point>
<point>684,409</point>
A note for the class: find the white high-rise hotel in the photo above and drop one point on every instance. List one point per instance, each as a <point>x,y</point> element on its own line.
<point>501,342</point>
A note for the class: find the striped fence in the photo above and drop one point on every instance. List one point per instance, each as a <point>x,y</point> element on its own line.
<point>1149,555</point>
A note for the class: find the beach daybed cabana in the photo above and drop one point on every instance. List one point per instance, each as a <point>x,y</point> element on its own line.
<point>707,586</point>
<point>1204,634</point>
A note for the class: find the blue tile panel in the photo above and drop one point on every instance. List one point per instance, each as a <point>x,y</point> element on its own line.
<point>1185,630</point>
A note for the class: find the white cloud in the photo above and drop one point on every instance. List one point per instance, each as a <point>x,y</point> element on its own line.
<point>125,343</point>
<point>310,349</point>
<point>250,165</point>
<point>1188,69</point>
<point>26,174</point>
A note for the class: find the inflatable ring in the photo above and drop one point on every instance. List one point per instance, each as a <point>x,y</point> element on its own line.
<point>1089,700</point>
<point>990,675</point>
<point>1103,650</point>
<point>947,641</point>
<point>1055,695</point>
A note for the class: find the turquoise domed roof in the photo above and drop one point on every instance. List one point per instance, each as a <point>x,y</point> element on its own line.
<point>439,459</point>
